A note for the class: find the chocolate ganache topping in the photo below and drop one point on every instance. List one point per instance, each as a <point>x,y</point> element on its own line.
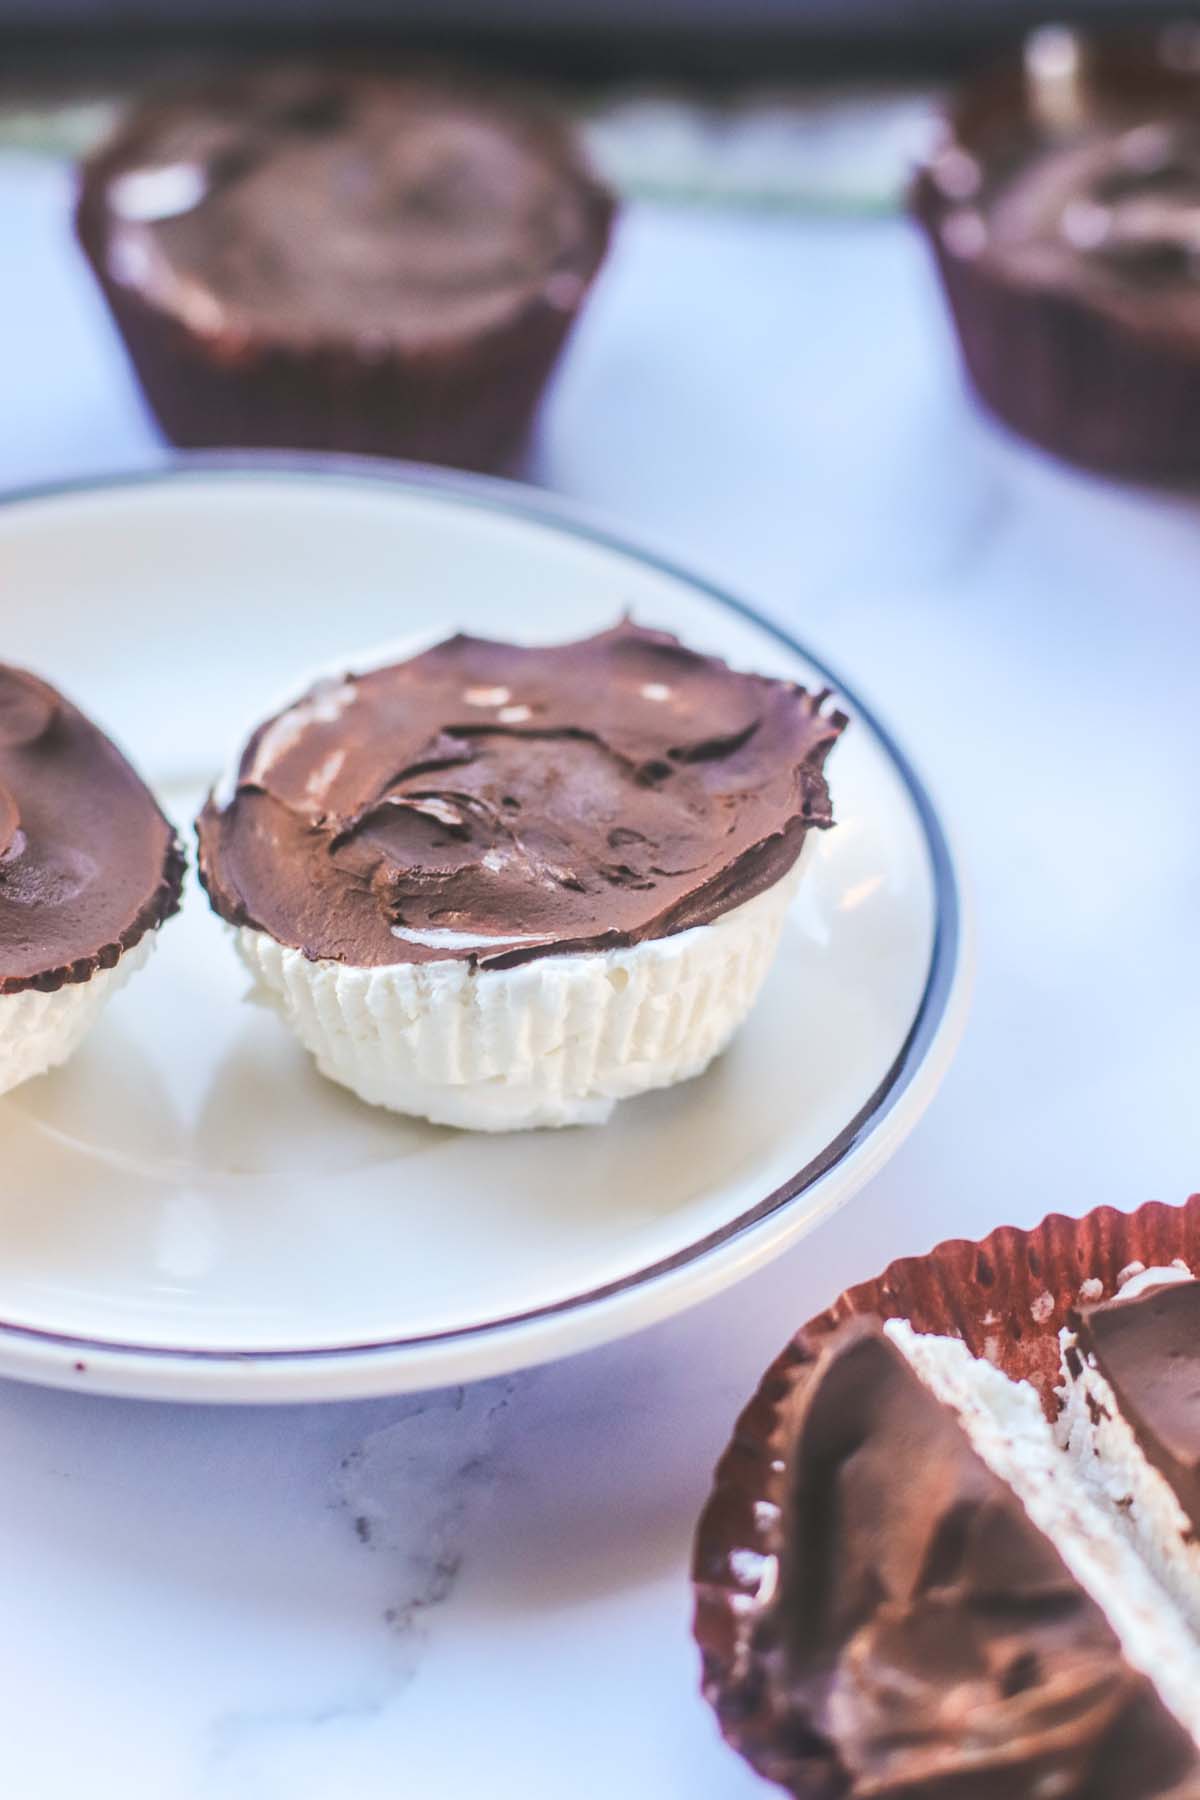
<point>88,863</point>
<point>495,802</point>
<point>926,1641</point>
<point>390,209</point>
<point>1148,1350</point>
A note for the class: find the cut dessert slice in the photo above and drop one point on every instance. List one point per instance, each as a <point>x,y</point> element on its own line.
<point>949,1615</point>
<point>1130,1421</point>
<point>1008,1429</point>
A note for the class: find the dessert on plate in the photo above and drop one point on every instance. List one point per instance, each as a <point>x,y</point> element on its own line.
<point>951,1548</point>
<point>89,869</point>
<point>338,259</point>
<point>502,886</point>
<point>1061,202</point>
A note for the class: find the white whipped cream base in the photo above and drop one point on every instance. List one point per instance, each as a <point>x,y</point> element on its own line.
<point>1010,1433</point>
<point>555,1041</point>
<point>38,1031</point>
<point>1106,1456</point>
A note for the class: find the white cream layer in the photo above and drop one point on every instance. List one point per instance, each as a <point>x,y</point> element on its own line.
<point>1106,1456</point>
<point>38,1031</point>
<point>555,1041</point>
<point>1010,1433</point>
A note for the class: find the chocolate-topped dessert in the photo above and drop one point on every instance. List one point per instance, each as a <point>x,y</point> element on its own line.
<point>484,808</point>
<point>921,1635</point>
<point>337,259</point>
<point>89,867</point>
<point>1063,205</point>
<point>920,1574</point>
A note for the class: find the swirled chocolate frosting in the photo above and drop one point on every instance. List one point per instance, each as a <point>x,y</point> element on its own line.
<point>927,1641</point>
<point>88,863</point>
<point>309,204</point>
<point>494,802</point>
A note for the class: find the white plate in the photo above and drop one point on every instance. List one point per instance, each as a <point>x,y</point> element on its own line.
<point>188,1209</point>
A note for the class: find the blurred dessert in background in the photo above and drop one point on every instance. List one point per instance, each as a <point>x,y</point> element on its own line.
<point>335,259</point>
<point>1062,201</point>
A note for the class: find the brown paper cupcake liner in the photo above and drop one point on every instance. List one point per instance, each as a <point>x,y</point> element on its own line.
<point>471,408</point>
<point>1007,1298</point>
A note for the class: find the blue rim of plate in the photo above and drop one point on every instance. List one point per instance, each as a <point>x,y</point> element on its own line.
<point>535,506</point>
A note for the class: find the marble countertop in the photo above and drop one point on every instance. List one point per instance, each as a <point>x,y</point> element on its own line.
<point>485,1589</point>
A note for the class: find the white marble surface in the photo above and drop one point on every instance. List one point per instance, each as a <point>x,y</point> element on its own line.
<point>486,1591</point>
